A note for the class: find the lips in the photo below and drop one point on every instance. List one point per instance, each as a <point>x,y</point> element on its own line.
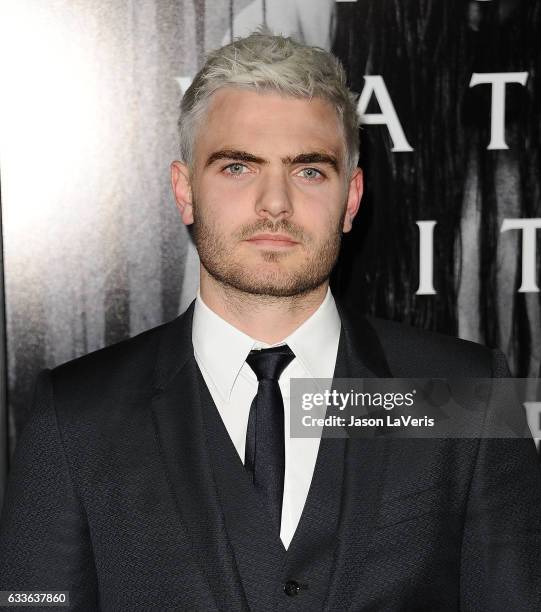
<point>272,240</point>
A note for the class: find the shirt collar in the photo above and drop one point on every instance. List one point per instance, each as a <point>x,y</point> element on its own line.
<point>222,349</point>
<point>315,342</point>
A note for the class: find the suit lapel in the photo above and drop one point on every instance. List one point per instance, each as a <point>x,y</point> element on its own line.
<point>177,417</point>
<point>360,355</point>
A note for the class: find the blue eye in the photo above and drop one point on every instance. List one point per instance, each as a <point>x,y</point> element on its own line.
<point>235,169</point>
<point>311,173</point>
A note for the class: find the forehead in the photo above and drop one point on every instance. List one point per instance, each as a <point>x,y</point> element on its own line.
<point>269,123</point>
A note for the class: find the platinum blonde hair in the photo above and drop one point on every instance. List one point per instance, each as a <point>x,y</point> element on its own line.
<point>267,62</point>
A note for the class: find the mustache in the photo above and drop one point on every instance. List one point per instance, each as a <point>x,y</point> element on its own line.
<point>267,226</point>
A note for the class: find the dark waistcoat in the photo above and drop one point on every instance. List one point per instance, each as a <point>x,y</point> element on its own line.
<point>269,573</point>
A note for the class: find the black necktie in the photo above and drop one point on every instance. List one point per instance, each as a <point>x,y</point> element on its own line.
<point>265,455</point>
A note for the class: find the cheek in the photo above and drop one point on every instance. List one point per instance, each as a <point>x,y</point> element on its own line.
<point>320,211</point>
<point>219,215</point>
<point>224,196</point>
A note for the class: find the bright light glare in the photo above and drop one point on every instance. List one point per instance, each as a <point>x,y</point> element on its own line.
<point>47,114</point>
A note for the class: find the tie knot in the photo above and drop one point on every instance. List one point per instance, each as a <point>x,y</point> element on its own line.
<point>270,363</point>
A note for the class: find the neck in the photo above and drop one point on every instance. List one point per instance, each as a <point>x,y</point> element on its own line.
<point>262,317</point>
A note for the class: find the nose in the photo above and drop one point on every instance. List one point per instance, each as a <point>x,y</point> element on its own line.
<point>274,197</point>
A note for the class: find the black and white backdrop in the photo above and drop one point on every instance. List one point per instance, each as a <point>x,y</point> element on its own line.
<point>93,251</point>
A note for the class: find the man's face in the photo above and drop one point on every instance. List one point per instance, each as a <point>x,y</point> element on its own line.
<point>267,194</point>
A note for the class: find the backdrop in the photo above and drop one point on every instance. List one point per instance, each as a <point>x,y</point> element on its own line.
<point>450,94</point>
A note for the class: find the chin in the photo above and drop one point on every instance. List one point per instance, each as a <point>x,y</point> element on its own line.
<point>280,285</point>
<point>267,278</point>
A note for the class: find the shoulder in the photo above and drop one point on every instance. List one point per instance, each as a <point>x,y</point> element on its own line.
<point>131,360</point>
<point>136,364</point>
<point>416,352</point>
<point>121,378</point>
<point>110,387</point>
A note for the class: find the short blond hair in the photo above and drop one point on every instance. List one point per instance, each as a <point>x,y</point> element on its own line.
<point>269,62</point>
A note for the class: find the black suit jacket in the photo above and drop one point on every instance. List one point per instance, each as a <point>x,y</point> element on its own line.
<point>113,497</point>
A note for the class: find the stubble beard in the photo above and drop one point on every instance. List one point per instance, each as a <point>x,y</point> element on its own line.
<point>216,256</point>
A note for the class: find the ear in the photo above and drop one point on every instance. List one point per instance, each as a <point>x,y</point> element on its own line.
<point>355,193</point>
<point>180,181</point>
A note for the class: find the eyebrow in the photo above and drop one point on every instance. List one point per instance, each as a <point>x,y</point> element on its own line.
<point>234,155</point>
<point>313,157</point>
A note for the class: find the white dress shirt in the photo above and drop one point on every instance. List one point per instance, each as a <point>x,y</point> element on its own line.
<point>221,351</point>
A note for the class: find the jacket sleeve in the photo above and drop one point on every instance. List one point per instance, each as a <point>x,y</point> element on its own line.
<point>44,536</point>
<point>501,547</point>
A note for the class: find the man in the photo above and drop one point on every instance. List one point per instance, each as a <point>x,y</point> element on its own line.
<point>156,473</point>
